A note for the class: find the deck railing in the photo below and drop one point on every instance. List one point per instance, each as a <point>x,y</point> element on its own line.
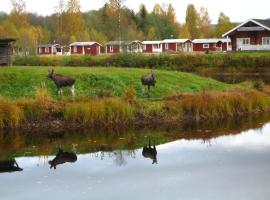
<point>254,47</point>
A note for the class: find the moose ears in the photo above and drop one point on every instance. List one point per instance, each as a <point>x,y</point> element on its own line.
<point>52,71</point>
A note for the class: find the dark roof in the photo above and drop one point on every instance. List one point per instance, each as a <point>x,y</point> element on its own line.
<point>265,22</point>
<point>7,40</point>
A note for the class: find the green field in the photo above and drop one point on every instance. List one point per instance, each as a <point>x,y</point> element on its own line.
<point>16,82</point>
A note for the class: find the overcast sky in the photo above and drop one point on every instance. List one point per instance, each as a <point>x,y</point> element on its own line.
<point>238,10</point>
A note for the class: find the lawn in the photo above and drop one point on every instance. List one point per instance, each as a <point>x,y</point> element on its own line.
<point>16,82</point>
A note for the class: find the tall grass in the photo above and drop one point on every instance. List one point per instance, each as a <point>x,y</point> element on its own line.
<point>10,114</point>
<point>100,112</point>
<point>219,105</point>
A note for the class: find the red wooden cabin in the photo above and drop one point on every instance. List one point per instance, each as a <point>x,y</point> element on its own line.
<point>211,44</point>
<point>252,35</point>
<point>152,46</point>
<point>85,48</point>
<point>49,49</point>
<point>177,45</point>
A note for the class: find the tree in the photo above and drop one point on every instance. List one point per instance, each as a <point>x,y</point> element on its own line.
<point>73,22</point>
<point>151,34</point>
<point>60,9</point>
<point>224,25</point>
<point>205,27</point>
<point>158,10</point>
<point>142,18</point>
<point>171,14</point>
<point>18,15</point>
<point>184,33</point>
<point>192,20</point>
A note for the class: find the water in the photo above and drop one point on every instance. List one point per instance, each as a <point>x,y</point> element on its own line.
<point>194,163</point>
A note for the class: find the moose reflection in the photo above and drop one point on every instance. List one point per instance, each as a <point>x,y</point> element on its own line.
<point>63,157</point>
<point>9,165</point>
<point>150,152</point>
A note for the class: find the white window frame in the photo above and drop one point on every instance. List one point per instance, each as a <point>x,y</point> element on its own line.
<point>265,40</point>
<point>75,50</point>
<point>245,41</point>
<point>40,50</point>
<point>47,49</point>
<point>206,45</point>
<point>166,46</point>
<point>156,46</point>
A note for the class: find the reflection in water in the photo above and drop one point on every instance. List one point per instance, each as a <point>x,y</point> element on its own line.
<point>63,157</point>
<point>150,152</point>
<point>9,165</point>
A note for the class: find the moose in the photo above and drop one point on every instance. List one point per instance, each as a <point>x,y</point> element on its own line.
<point>9,166</point>
<point>62,157</point>
<point>148,80</point>
<point>62,81</point>
<point>150,152</point>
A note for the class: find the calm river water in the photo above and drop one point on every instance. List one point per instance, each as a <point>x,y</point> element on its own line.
<point>230,163</point>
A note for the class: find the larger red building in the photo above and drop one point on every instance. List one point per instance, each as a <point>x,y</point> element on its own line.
<point>85,48</point>
<point>252,35</point>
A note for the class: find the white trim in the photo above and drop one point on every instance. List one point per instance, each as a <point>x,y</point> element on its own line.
<point>40,50</point>
<point>75,50</point>
<point>111,48</point>
<point>206,46</point>
<point>166,46</point>
<point>251,20</point>
<point>47,49</point>
<point>267,39</point>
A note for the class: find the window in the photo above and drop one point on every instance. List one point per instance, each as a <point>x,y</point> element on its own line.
<point>166,46</point>
<point>155,46</point>
<point>266,41</point>
<point>245,41</point>
<point>75,49</point>
<point>47,50</point>
<point>206,46</point>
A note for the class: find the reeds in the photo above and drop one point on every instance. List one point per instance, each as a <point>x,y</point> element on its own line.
<point>100,112</point>
<point>219,105</point>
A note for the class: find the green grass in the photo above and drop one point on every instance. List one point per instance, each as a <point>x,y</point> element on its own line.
<point>17,82</point>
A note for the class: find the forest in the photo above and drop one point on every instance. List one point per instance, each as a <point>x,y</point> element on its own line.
<point>113,21</point>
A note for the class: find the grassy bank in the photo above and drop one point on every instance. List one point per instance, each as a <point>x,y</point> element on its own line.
<point>18,82</point>
<point>48,114</point>
<point>251,62</point>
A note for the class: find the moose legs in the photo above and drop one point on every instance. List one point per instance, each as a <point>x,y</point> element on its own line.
<point>71,88</point>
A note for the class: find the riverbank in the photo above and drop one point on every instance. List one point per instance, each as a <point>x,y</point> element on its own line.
<point>46,114</point>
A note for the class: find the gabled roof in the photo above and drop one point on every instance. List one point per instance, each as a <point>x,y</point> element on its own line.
<point>123,42</point>
<point>175,40</point>
<point>152,42</point>
<point>48,45</point>
<point>210,40</point>
<point>7,40</point>
<point>265,23</point>
<point>84,43</point>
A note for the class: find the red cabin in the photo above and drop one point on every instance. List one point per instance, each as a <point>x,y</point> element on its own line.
<point>85,48</point>
<point>152,46</point>
<point>252,35</point>
<point>49,49</point>
<point>212,44</point>
<point>177,45</point>
<point>134,46</point>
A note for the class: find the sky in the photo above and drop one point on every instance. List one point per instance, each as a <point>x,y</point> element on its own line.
<point>237,10</point>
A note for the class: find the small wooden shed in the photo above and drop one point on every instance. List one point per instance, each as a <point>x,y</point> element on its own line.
<point>6,51</point>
